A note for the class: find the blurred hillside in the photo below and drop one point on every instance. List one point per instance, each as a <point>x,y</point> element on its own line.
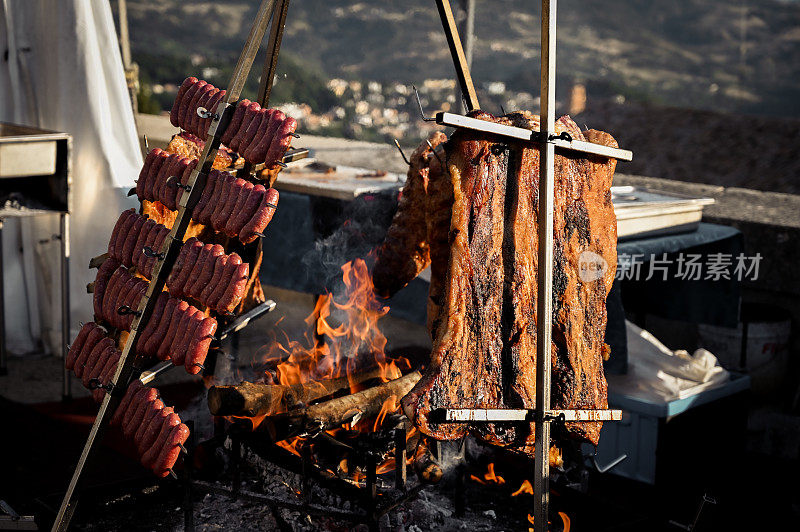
<point>741,56</point>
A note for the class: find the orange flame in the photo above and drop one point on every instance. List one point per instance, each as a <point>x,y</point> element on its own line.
<point>565,521</point>
<point>489,476</point>
<point>525,488</point>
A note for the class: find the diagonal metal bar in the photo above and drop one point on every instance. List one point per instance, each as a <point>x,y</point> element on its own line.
<point>544,267</point>
<point>457,52</point>
<point>170,248</point>
<point>277,24</point>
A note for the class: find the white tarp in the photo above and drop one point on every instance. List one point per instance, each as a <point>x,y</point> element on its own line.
<point>64,73</point>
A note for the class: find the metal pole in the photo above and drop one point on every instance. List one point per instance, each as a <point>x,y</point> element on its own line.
<point>66,391</point>
<point>468,31</point>
<point>544,300</point>
<point>3,360</point>
<point>124,39</point>
<point>457,53</point>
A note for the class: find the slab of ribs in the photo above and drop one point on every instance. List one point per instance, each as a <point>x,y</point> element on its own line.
<point>469,209</point>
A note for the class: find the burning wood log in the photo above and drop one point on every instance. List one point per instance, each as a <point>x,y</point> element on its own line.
<point>252,399</point>
<point>358,405</point>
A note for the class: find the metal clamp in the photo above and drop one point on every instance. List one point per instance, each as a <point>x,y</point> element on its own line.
<point>95,384</point>
<point>153,254</point>
<point>421,111</point>
<point>125,310</point>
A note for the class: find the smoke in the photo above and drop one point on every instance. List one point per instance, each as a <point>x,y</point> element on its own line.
<point>350,230</point>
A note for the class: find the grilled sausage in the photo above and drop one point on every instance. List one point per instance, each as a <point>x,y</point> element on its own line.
<point>143,173</point>
<point>171,421</point>
<point>206,94</point>
<point>188,326</point>
<point>192,95</point>
<point>151,411</point>
<point>92,340</point>
<point>262,140</point>
<point>178,286</point>
<point>198,348</point>
<point>178,313</point>
<point>222,199</point>
<point>234,260</point>
<point>235,291</point>
<point>134,234</point>
<point>197,269</point>
<point>281,141</point>
<point>135,299</point>
<point>216,276</point>
<point>255,128</point>
<point>176,105</point>
<point>110,297</point>
<point>243,214</point>
<point>261,218</point>
<point>96,358</point>
<point>179,262</point>
<point>159,333</point>
<point>101,282</point>
<point>235,123</point>
<point>125,403</point>
<point>77,344</point>
<point>250,113</point>
<point>91,359</point>
<point>205,274</point>
<point>198,213</point>
<point>230,228</point>
<point>127,287</point>
<point>153,428</point>
<point>213,104</point>
<point>107,374</point>
<point>171,450</point>
<point>160,156</point>
<point>152,325</point>
<point>126,233</point>
<point>115,233</point>
<point>143,400</point>
<point>232,195</point>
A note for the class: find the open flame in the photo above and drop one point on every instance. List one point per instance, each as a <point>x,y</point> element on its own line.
<point>489,477</point>
<point>343,338</point>
<point>565,521</point>
<point>524,488</point>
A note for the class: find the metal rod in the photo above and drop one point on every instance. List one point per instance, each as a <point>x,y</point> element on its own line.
<point>170,248</point>
<point>66,377</point>
<point>468,31</point>
<point>3,354</point>
<point>544,299</point>
<point>277,25</point>
<point>457,52</point>
<point>475,124</point>
<point>494,415</point>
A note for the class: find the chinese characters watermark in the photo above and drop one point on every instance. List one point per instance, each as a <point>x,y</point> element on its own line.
<point>686,266</point>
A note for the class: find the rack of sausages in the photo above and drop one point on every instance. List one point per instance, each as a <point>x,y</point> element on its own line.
<point>93,356</point>
<point>229,204</point>
<point>203,272</point>
<point>176,331</point>
<point>155,429</point>
<point>259,135</point>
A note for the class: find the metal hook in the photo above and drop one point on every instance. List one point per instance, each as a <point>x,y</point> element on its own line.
<point>172,474</point>
<point>153,254</point>
<point>282,164</point>
<point>124,310</point>
<point>296,135</point>
<point>433,150</point>
<point>272,205</point>
<point>403,155</point>
<point>95,384</point>
<point>199,365</point>
<point>611,465</point>
<point>419,102</point>
<point>174,181</point>
<point>204,113</point>
<point>502,110</point>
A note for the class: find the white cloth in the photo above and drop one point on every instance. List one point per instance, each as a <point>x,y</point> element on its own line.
<point>64,73</point>
<point>658,374</point>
